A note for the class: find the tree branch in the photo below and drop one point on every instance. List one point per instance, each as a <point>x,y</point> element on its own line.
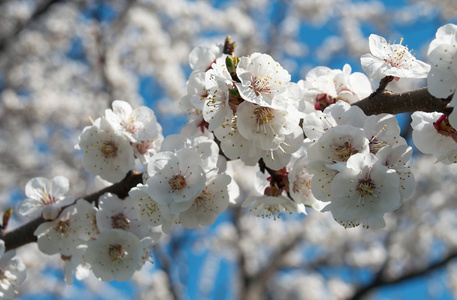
<point>396,103</point>
<point>379,281</point>
<point>243,277</point>
<point>42,9</point>
<point>165,262</point>
<point>258,282</point>
<point>24,234</point>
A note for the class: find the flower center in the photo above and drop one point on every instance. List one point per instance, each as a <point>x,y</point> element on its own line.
<point>150,209</point>
<point>203,200</point>
<point>322,101</point>
<point>109,149</point>
<point>116,252</point>
<point>399,56</point>
<point>264,116</point>
<point>63,228</point>
<point>376,145</point>
<point>344,152</point>
<point>271,210</point>
<point>261,85</point>
<point>177,182</point>
<point>302,184</point>
<point>130,125</point>
<point>47,199</point>
<point>143,146</point>
<point>443,127</point>
<point>120,221</point>
<point>366,187</point>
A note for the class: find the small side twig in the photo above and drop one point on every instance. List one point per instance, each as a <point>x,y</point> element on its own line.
<point>382,86</point>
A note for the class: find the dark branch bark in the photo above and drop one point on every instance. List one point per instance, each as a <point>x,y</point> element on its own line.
<point>165,262</point>
<point>382,85</point>
<point>24,234</point>
<point>396,103</point>
<point>244,278</point>
<point>42,9</point>
<point>379,281</point>
<point>258,282</point>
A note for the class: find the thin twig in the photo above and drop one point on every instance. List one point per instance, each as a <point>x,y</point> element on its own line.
<point>42,9</point>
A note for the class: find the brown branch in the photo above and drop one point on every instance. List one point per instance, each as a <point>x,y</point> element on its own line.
<point>42,9</point>
<point>258,282</point>
<point>24,234</point>
<point>396,103</point>
<point>165,263</point>
<point>243,273</point>
<point>382,85</point>
<point>379,281</point>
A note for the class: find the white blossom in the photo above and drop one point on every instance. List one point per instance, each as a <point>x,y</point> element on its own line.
<point>266,126</point>
<point>137,124</point>
<point>114,213</point>
<point>270,206</point>
<point>442,79</point>
<point>234,145</point>
<point>76,264</point>
<point>395,60</point>
<point>338,144</point>
<point>363,192</point>
<point>176,179</point>
<point>207,206</point>
<point>263,81</point>
<point>59,236</point>
<point>196,92</point>
<point>114,255</point>
<point>432,134</point>
<point>106,153</point>
<point>151,212</point>
<point>324,86</point>
<point>397,157</point>
<point>145,149</point>
<point>216,106</point>
<point>280,157</point>
<point>300,185</point>
<point>204,146</point>
<point>42,193</point>
<point>201,58</point>
<point>382,130</point>
<point>341,113</point>
<point>75,226</point>
<point>268,201</point>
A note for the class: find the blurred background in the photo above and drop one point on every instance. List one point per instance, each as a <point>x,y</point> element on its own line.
<point>63,61</point>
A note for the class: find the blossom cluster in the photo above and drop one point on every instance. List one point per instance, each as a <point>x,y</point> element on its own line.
<point>111,240</point>
<point>249,103</point>
<point>111,145</point>
<point>324,86</point>
<point>313,148</point>
<point>185,183</point>
<point>359,164</point>
<point>254,111</point>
